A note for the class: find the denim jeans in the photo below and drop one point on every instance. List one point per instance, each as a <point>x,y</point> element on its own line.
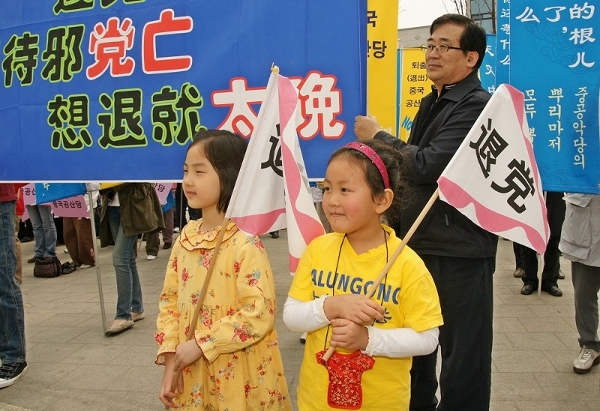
<point>129,289</point>
<point>44,230</point>
<point>12,324</point>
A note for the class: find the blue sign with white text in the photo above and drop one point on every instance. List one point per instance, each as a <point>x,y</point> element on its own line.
<point>556,64</point>
<point>487,71</point>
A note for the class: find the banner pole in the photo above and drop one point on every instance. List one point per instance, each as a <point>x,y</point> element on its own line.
<point>97,259</point>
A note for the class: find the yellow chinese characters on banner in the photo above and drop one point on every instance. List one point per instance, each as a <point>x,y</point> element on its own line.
<point>382,62</point>
<point>413,87</point>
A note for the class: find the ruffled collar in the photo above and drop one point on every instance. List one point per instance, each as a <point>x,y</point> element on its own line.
<point>192,238</point>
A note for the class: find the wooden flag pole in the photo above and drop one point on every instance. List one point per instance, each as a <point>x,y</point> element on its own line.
<point>394,256</point>
<point>211,267</point>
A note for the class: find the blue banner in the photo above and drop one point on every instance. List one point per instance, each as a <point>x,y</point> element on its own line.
<point>556,64</point>
<point>503,56</point>
<point>170,202</point>
<point>487,71</point>
<point>114,90</point>
<point>48,192</point>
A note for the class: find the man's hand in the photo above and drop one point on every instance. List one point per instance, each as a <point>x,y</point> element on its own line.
<point>365,127</point>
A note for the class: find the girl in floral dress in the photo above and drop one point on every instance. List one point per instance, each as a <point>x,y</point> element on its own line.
<point>233,362</point>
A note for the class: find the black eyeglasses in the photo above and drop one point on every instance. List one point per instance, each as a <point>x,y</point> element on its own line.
<point>440,48</point>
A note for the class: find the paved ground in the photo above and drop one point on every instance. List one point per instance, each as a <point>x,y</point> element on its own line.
<point>73,366</point>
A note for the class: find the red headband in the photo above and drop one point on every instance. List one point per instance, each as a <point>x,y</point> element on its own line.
<point>375,159</point>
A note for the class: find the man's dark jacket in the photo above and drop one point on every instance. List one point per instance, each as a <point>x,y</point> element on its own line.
<point>438,130</point>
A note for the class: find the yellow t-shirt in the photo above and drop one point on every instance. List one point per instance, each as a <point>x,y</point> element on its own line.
<point>409,298</point>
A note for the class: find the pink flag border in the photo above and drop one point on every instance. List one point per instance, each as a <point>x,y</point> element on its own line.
<point>490,220</point>
<point>309,227</point>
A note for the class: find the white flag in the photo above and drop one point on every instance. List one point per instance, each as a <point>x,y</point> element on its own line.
<point>493,178</point>
<point>271,191</point>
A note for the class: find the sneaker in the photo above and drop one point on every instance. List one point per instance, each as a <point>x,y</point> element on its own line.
<point>84,266</point>
<point>561,276</point>
<point>176,229</point>
<point>150,257</point>
<point>10,373</point>
<point>586,359</point>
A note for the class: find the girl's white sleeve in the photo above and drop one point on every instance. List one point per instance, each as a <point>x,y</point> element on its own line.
<point>303,316</point>
<point>401,342</point>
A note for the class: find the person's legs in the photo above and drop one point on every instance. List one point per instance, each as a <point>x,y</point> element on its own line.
<point>70,237</point>
<point>530,265</point>
<point>85,241</point>
<point>178,218</point>
<point>25,231</point>
<point>465,288</point>
<point>19,269</point>
<point>152,243</point>
<point>424,383</point>
<point>12,323</point>
<point>38,232</point>
<point>556,208</point>
<point>137,304</point>
<point>49,230</point>
<point>194,214</point>
<point>519,271</point>
<point>58,226</point>
<point>167,233</point>
<point>128,287</point>
<point>586,284</point>
<point>517,253</point>
<point>551,263</point>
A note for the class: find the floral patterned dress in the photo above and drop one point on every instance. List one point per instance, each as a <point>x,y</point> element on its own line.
<point>242,367</point>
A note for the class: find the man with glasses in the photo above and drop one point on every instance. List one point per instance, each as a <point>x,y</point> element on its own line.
<point>459,254</point>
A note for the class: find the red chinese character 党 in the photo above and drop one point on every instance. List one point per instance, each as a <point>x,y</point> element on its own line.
<point>109,45</point>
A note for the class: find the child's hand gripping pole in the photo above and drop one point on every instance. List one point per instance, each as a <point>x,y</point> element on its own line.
<point>394,256</point>
<point>203,291</point>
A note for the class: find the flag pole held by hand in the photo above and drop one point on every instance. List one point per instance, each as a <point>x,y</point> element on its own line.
<point>394,256</point>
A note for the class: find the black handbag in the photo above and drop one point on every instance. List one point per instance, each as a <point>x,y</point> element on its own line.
<point>48,267</point>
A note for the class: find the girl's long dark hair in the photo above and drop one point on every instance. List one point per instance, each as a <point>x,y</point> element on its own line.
<point>225,151</point>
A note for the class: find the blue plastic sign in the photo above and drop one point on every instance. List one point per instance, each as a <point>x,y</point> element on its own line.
<point>556,64</point>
